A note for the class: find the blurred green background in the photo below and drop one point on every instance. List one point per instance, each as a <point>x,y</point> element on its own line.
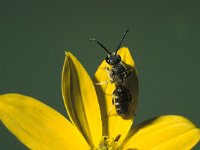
<point>164,39</point>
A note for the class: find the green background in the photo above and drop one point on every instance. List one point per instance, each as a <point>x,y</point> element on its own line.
<point>164,39</point>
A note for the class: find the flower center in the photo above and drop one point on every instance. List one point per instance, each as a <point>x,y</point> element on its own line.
<point>109,144</point>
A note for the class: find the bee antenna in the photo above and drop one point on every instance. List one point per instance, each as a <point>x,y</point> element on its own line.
<point>101,46</point>
<point>124,34</point>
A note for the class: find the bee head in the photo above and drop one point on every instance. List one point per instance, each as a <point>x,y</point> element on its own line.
<point>113,59</point>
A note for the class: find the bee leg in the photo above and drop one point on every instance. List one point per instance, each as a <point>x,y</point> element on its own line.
<point>113,103</point>
<point>108,72</point>
<point>101,83</point>
<point>107,69</point>
<point>104,68</point>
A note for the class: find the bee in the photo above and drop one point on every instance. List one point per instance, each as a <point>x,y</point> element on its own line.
<point>118,73</point>
<point>122,99</point>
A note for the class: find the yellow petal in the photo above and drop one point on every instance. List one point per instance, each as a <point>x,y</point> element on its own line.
<point>113,125</point>
<point>37,125</point>
<point>163,133</point>
<point>80,100</point>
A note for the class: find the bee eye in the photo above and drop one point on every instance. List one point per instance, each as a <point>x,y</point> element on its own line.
<point>107,60</point>
<point>119,58</point>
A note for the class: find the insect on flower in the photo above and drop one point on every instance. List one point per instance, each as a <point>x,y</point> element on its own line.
<point>118,73</point>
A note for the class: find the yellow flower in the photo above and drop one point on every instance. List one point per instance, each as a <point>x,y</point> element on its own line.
<point>93,124</point>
